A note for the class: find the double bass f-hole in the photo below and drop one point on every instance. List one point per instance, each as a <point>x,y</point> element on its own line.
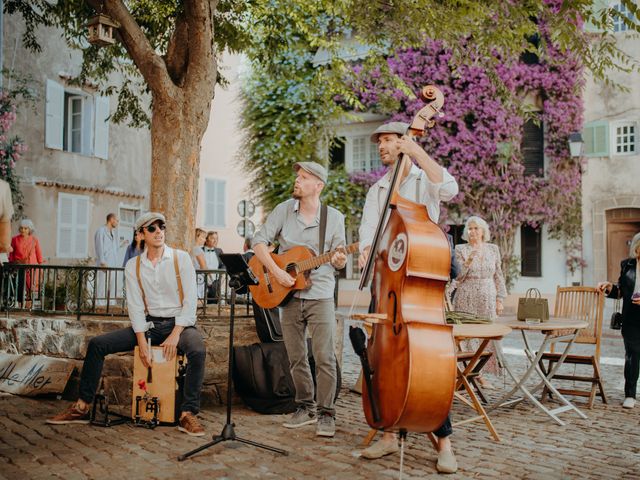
<point>396,326</point>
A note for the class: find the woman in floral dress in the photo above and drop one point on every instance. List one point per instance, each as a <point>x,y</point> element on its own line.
<point>480,285</point>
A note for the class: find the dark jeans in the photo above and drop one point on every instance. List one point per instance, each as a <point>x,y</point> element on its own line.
<point>631,365</point>
<point>445,429</point>
<point>124,340</point>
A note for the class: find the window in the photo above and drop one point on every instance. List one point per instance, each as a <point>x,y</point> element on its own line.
<point>73,124</point>
<point>532,148</point>
<point>456,233</point>
<point>73,226</point>
<point>625,138</point>
<point>618,22</point>
<point>127,224</point>
<point>530,251</point>
<point>361,154</point>
<point>596,139</point>
<point>337,152</point>
<point>215,200</point>
<point>76,121</point>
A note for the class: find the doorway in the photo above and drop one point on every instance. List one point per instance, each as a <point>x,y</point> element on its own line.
<point>622,225</point>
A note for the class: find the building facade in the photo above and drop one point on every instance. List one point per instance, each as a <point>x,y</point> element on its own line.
<point>79,166</point>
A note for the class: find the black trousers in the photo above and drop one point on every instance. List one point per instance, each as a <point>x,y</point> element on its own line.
<point>631,365</point>
<point>124,340</point>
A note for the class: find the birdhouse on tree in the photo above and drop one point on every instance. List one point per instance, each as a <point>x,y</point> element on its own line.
<point>101,30</point>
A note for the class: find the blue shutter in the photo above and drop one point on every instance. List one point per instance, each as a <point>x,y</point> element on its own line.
<point>54,122</point>
<point>101,142</point>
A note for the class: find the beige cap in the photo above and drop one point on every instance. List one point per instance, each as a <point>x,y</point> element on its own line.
<point>148,218</point>
<point>313,168</point>
<point>399,128</point>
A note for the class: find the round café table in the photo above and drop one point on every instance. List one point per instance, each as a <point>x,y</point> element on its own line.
<point>556,329</point>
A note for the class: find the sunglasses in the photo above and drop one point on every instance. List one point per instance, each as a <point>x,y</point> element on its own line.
<point>153,228</point>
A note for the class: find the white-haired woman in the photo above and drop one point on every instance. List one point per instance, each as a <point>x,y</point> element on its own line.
<point>26,250</point>
<point>628,288</point>
<point>480,285</point>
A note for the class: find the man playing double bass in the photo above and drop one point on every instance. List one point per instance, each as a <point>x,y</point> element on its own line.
<point>427,184</point>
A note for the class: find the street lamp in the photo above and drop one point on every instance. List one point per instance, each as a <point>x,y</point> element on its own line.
<point>575,144</point>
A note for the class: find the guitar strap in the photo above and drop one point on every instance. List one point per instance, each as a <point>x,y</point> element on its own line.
<point>323,228</point>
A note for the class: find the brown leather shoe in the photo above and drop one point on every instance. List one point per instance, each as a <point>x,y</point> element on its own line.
<point>189,424</point>
<point>70,415</point>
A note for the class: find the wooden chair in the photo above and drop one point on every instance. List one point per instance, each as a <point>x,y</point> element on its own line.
<point>581,303</point>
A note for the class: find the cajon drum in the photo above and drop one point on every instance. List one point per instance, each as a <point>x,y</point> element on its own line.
<point>161,388</point>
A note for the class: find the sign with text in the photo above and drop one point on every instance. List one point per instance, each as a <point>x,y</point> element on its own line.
<point>33,374</point>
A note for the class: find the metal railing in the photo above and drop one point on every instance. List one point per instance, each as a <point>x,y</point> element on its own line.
<point>90,290</point>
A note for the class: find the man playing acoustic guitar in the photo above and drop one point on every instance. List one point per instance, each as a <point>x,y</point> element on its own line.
<point>293,223</point>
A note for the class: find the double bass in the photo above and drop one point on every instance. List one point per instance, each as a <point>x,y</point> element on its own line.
<point>411,350</point>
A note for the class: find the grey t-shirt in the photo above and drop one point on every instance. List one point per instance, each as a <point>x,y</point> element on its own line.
<point>285,226</point>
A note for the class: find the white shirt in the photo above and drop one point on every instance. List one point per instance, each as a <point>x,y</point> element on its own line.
<point>415,187</point>
<point>161,289</point>
<point>211,258</point>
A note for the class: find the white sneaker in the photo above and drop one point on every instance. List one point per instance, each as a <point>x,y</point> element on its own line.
<point>380,449</point>
<point>629,402</point>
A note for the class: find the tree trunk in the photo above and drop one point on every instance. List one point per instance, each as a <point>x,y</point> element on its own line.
<point>505,242</point>
<point>176,133</point>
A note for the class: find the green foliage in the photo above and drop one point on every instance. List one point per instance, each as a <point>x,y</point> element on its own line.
<point>284,107</point>
<point>348,197</point>
<point>12,148</point>
<point>267,28</point>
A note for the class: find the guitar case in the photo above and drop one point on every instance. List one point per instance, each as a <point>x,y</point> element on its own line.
<point>261,377</point>
<point>268,325</point>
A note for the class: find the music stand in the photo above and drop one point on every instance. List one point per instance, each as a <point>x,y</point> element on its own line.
<point>239,275</point>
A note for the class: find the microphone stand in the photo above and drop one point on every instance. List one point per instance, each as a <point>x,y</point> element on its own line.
<point>239,275</point>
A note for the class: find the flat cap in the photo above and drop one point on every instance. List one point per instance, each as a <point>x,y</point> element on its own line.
<point>313,168</point>
<point>399,128</point>
<point>148,218</point>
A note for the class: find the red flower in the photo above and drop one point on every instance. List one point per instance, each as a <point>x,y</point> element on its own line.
<point>142,385</point>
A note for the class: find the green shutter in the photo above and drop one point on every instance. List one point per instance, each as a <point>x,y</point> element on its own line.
<point>596,139</point>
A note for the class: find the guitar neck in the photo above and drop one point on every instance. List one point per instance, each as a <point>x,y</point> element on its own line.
<point>315,262</point>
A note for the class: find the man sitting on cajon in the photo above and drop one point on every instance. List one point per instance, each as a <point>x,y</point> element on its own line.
<point>153,296</point>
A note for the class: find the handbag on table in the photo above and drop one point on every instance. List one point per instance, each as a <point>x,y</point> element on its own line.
<point>533,306</point>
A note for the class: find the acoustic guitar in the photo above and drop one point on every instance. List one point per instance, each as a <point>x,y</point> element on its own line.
<point>297,262</point>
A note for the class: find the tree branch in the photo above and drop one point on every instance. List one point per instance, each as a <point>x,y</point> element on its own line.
<point>177,55</point>
<point>150,64</point>
<point>201,63</point>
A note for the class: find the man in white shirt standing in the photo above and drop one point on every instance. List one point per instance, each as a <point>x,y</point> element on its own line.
<point>428,184</point>
<point>106,247</point>
<point>155,309</point>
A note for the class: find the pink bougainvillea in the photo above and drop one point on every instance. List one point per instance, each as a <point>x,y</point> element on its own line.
<point>478,138</point>
<point>11,150</point>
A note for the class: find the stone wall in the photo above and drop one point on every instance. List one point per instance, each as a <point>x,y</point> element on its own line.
<point>66,337</point>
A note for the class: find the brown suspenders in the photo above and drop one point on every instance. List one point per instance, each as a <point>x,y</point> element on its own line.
<point>178,280</point>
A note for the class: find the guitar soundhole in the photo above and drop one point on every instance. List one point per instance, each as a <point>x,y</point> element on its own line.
<point>291,270</point>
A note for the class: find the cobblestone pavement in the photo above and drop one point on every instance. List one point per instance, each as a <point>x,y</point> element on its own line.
<point>533,447</point>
